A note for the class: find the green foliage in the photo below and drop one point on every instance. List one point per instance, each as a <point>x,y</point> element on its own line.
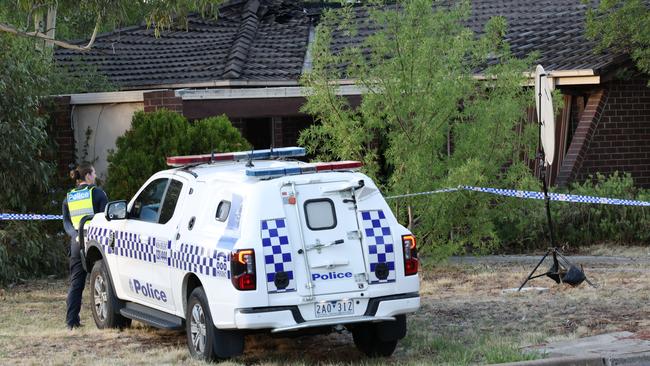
<point>76,19</point>
<point>421,97</point>
<point>23,81</point>
<point>623,26</point>
<point>522,224</point>
<point>142,150</point>
<point>27,76</point>
<point>27,249</point>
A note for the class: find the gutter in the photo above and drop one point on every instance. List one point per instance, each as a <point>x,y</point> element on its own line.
<point>243,89</point>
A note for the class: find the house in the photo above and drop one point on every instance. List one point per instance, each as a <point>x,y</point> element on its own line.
<point>247,64</point>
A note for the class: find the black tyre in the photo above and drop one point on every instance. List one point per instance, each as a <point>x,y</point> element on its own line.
<point>104,301</point>
<point>379,339</point>
<point>366,341</point>
<point>204,340</point>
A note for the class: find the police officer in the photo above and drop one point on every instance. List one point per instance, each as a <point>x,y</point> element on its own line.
<point>85,199</point>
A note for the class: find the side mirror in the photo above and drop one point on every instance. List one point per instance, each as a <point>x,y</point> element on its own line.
<point>116,210</point>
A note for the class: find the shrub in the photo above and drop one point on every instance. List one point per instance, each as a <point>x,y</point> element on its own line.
<point>142,150</point>
<point>522,224</point>
<point>596,223</point>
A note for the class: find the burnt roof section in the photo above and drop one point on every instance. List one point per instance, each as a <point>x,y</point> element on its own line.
<point>254,40</point>
<point>266,40</point>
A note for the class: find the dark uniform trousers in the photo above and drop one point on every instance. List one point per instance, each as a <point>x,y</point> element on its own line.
<point>77,283</point>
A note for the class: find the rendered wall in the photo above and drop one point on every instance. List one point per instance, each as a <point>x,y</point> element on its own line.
<point>106,122</point>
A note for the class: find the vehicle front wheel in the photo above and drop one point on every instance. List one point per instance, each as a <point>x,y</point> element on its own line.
<point>103,299</point>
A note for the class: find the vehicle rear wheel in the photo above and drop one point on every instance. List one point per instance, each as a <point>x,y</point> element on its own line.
<point>103,299</point>
<point>379,339</point>
<point>367,342</point>
<point>204,340</point>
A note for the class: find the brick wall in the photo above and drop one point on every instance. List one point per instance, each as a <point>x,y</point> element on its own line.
<point>60,128</point>
<point>622,139</point>
<point>587,126</point>
<point>291,128</point>
<point>160,99</point>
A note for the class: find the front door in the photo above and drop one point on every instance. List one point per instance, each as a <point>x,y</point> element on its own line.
<point>143,245</point>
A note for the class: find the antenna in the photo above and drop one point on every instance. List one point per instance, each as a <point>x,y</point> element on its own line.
<point>249,164</point>
<point>545,115</point>
<point>562,269</point>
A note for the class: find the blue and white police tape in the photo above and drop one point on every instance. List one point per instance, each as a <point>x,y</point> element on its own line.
<point>23,217</point>
<point>562,197</point>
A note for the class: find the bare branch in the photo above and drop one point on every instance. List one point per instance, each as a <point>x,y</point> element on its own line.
<point>13,30</point>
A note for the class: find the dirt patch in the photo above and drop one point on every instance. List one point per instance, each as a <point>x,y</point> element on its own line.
<point>463,308</point>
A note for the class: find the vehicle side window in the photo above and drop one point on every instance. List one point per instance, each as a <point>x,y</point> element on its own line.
<point>223,209</point>
<point>147,205</point>
<point>171,198</point>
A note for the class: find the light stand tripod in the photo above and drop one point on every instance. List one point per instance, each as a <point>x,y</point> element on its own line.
<point>560,272</point>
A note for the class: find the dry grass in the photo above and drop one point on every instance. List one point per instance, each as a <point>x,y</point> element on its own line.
<point>464,319</point>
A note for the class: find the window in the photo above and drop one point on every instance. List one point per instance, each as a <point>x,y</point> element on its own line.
<point>147,205</point>
<point>171,198</point>
<point>222,211</point>
<point>320,214</point>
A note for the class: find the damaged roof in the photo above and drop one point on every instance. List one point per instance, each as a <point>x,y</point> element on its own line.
<point>250,40</point>
<point>267,40</point>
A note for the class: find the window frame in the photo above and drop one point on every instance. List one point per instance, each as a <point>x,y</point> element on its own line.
<point>162,204</point>
<point>162,199</point>
<point>304,207</point>
<point>217,211</point>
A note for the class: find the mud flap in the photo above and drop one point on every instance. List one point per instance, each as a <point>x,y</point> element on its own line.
<point>228,343</point>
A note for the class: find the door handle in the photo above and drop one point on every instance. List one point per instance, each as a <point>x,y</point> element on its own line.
<point>318,246</point>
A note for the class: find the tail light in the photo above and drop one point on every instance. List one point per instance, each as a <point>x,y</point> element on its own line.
<point>411,262</point>
<point>242,269</point>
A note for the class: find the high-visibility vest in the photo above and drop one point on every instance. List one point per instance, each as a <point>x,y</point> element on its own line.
<point>80,204</point>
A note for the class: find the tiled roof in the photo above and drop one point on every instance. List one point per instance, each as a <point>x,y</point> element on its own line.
<point>266,40</point>
<point>251,40</point>
<point>554,28</point>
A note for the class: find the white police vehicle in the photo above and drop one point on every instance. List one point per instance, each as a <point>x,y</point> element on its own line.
<point>227,244</point>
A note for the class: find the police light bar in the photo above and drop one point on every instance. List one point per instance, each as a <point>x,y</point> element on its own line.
<point>281,152</point>
<point>304,169</point>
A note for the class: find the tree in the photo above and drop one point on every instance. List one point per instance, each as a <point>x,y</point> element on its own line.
<point>26,248</point>
<point>143,149</point>
<point>623,26</point>
<point>425,120</point>
<point>72,17</point>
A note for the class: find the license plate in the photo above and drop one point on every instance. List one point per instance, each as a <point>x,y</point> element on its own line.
<point>333,308</point>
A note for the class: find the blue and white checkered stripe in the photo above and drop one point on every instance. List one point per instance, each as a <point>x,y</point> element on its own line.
<point>101,236</point>
<point>23,217</point>
<point>277,254</point>
<point>199,260</point>
<point>129,245</point>
<point>379,242</point>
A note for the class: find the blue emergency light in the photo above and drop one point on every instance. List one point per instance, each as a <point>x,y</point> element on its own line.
<point>304,169</point>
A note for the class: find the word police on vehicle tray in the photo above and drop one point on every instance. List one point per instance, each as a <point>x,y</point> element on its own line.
<point>227,243</point>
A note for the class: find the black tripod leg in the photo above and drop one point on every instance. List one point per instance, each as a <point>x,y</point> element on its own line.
<point>533,271</point>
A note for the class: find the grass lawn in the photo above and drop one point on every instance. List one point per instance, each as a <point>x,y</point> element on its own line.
<point>464,319</point>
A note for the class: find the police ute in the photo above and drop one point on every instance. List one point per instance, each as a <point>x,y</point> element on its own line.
<point>225,245</point>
